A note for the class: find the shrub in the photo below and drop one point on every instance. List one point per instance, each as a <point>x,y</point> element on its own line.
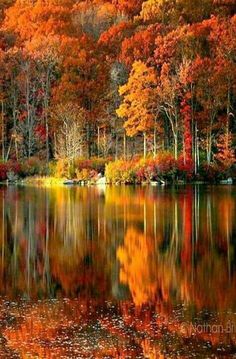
<point>185,168</point>
<point>142,170</point>
<point>163,166</point>
<point>82,169</point>
<point>97,164</point>
<point>86,174</point>
<point>210,172</point>
<point>120,172</point>
<point>127,172</point>
<point>65,169</point>
<point>3,171</point>
<point>14,167</point>
<point>52,169</point>
<point>166,165</point>
<point>145,170</point>
<point>9,170</point>
<point>13,170</point>
<point>33,167</point>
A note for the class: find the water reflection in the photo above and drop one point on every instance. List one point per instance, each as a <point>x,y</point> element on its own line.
<point>133,268</point>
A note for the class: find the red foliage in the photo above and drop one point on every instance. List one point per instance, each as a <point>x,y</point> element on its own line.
<point>187,148</point>
<point>210,172</point>
<point>3,171</point>
<point>186,253</point>
<point>185,167</point>
<point>140,46</point>
<point>129,7</point>
<point>9,167</point>
<point>96,164</point>
<point>40,130</point>
<point>166,164</point>
<point>111,39</point>
<point>14,167</point>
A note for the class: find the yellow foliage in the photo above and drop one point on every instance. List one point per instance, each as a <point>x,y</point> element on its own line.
<point>137,268</point>
<point>139,99</point>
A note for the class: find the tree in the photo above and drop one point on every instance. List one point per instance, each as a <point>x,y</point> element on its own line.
<point>193,13</point>
<point>140,46</point>
<point>83,80</point>
<point>29,106</point>
<point>44,50</point>
<point>111,40</point>
<point>128,7</point>
<point>225,156</point>
<point>175,12</point>
<point>139,101</point>
<point>69,120</point>
<point>211,93</point>
<point>168,92</point>
<point>94,18</point>
<point>187,132</point>
<point>3,6</point>
<point>33,18</point>
<point>173,60</point>
<point>157,11</point>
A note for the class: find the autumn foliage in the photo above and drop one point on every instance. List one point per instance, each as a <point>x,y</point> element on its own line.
<point>82,79</point>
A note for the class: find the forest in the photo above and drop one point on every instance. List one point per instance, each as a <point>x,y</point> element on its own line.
<point>138,90</point>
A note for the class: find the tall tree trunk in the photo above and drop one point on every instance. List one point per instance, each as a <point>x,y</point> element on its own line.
<point>116,145</point>
<point>144,145</point>
<point>184,151</point>
<point>104,147</point>
<point>124,146</point>
<point>196,150</point>
<point>209,141</point>
<point>228,110</point>
<point>88,140</point>
<point>29,114</point>
<point>98,142</point>
<point>198,154</point>
<point>155,139</point>
<point>176,146</point>
<point>209,147</point>
<point>14,113</point>
<point>46,105</point>
<point>3,134</point>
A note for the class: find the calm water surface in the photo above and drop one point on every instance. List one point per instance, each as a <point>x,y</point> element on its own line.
<point>120,272</point>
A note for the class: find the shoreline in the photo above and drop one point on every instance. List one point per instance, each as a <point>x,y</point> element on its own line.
<point>63,182</point>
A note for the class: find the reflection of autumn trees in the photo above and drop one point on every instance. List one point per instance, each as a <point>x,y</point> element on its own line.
<point>138,265</point>
<point>170,245</point>
<point>78,236</point>
<point>153,248</point>
<point>179,248</point>
<point>51,242</point>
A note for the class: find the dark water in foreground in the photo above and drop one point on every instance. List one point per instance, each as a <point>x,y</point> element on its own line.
<point>118,273</point>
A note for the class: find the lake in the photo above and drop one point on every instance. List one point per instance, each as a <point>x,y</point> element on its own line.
<point>121,272</point>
